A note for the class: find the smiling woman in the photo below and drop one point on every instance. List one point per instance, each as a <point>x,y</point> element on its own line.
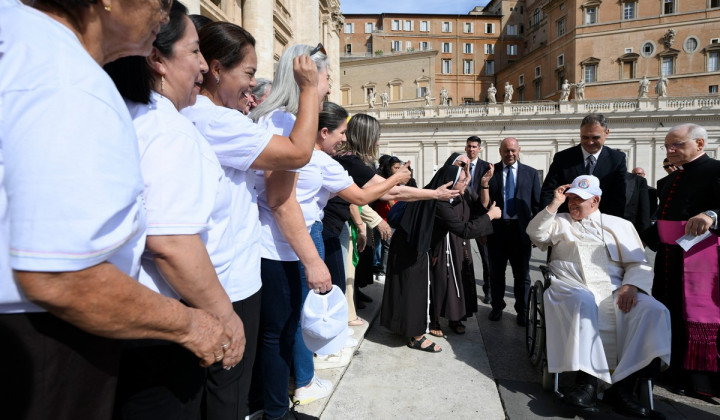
<point>189,253</point>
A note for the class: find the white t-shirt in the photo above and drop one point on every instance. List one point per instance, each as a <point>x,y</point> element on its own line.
<point>186,190</point>
<point>237,142</point>
<point>70,182</point>
<point>320,179</point>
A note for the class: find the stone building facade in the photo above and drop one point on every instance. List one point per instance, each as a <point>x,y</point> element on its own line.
<point>455,52</point>
<point>278,24</point>
<point>535,45</point>
<point>612,45</point>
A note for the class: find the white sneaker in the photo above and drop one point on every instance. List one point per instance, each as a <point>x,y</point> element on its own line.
<point>334,360</point>
<point>381,278</point>
<point>318,388</point>
<point>255,416</point>
<point>351,343</point>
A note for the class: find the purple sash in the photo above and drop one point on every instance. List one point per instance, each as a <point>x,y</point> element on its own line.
<point>701,296</point>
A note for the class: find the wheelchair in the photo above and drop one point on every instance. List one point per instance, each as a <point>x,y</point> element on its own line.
<point>535,343</point>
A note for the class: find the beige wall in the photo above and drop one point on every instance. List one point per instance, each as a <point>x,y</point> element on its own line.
<point>405,71</point>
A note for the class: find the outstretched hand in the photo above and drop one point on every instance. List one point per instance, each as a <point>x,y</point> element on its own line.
<point>488,175</point>
<point>404,174</point>
<point>444,193</point>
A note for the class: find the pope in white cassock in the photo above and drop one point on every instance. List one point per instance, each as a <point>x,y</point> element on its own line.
<point>600,318</point>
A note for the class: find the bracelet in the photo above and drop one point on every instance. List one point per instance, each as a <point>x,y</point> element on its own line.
<point>484,188</point>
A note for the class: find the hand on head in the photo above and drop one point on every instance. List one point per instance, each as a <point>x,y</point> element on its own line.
<point>305,71</point>
<point>559,194</point>
<point>559,198</point>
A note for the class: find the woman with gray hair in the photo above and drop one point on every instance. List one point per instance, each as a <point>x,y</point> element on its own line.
<point>261,91</point>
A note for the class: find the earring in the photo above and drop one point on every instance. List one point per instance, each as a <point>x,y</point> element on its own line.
<point>108,7</point>
<point>162,83</point>
<point>217,80</point>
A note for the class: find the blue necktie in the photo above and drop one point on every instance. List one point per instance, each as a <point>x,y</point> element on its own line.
<point>590,167</point>
<point>510,193</point>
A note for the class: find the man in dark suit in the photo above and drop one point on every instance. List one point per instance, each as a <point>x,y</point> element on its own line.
<point>590,158</point>
<point>637,202</point>
<point>478,167</point>
<point>652,192</point>
<point>515,188</point>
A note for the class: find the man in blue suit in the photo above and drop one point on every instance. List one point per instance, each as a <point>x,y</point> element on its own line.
<point>515,188</point>
<point>590,157</point>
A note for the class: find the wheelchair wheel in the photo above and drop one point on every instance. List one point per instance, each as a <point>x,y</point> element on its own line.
<point>535,328</point>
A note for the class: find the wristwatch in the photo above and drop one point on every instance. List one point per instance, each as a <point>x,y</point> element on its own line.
<point>711,214</point>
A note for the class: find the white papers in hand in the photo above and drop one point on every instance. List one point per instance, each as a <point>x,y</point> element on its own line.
<point>690,240</point>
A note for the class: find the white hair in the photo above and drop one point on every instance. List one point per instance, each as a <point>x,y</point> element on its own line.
<point>693,131</point>
<point>285,91</point>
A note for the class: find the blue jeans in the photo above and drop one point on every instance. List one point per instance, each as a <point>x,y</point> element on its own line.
<point>279,317</point>
<point>302,357</point>
<point>334,259</point>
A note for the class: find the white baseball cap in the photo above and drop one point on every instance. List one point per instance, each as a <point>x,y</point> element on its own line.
<point>324,321</point>
<point>585,186</point>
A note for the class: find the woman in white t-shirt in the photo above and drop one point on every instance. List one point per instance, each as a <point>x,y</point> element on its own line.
<point>291,204</point>
<point>71,214</point>
<point>189,250</point>
<point>241,145</point>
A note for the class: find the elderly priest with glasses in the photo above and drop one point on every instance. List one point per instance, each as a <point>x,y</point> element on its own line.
<point>600,318</point>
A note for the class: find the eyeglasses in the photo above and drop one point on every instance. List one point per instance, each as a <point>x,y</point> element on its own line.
<point>319,48</point>
<point>673,146</point>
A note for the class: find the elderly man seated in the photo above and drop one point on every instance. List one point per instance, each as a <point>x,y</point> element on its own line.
<point>601,320</point>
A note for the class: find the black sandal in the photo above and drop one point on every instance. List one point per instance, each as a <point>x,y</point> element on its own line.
<point>457,327</point>
<point>417,345</point>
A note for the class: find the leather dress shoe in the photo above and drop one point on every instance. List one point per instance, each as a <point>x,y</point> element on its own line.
<point>495,315</point>
<point>486,300</point>
<point>521,320</point>
<point>581,395</point>
<point>625,402</point>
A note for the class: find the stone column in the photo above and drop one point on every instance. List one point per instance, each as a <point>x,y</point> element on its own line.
<point>192,5</point>
<point>257,18</point>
